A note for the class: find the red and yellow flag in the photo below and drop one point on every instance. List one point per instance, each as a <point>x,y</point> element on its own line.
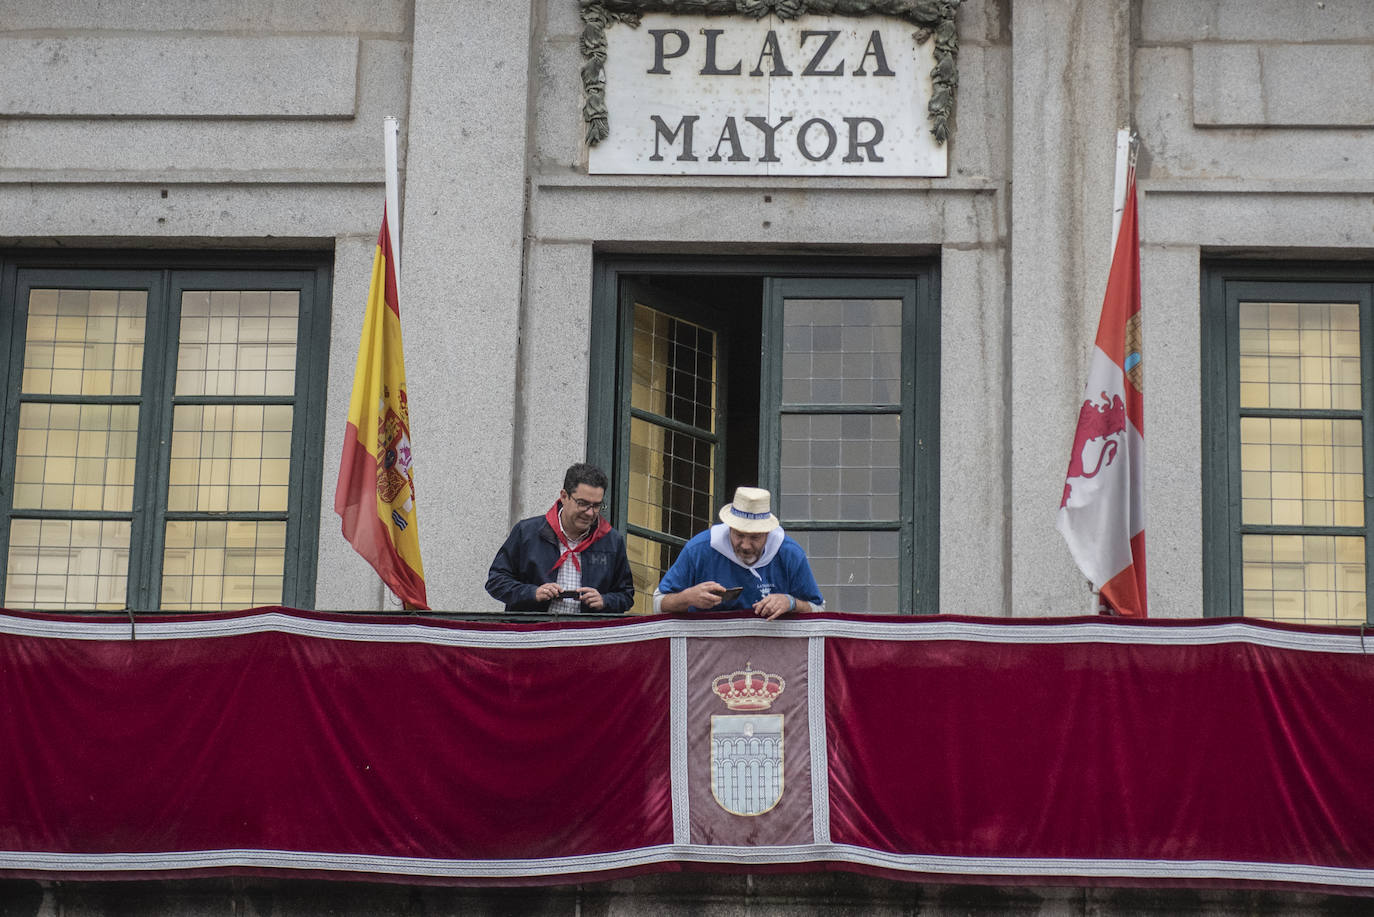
<point>376,491</point>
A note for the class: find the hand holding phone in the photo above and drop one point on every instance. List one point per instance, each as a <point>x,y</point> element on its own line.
<point>729,595</point>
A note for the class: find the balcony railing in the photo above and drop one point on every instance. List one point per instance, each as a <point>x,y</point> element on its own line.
<point>1081,751</point>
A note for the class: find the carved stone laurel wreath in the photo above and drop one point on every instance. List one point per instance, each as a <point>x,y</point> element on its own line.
<point>931,17</point>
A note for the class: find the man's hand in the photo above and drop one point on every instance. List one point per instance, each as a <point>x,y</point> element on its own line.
<point>591,598</point>
<point>702,596</point>
<point>773,606</point>
<point>547,592</point>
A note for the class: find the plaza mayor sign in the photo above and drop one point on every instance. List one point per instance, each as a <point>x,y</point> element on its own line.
<point>776,91</point>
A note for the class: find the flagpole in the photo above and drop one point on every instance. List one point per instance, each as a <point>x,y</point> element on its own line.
<point>1124,142</point>
<point>391,129</point>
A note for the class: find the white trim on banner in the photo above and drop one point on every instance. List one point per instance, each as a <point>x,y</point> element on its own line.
<point>682,813</point>
<point>820,742</point>
<point>1009,867</point>
<point>632,631</point>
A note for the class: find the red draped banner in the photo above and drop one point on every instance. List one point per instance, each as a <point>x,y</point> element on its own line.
<point>1082,751</point>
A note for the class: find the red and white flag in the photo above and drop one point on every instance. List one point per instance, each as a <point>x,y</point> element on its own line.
<point>1102,514</point>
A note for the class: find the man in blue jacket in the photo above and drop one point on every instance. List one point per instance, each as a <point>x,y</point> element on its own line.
<point>748,550</point>
<point>567,560</point>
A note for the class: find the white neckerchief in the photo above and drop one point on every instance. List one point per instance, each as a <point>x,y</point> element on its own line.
<point>720,541</point>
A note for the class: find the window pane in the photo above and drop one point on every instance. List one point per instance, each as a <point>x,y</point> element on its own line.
<point>673,368</point>
<point>76,457</point>
<point>671,480</point>
<point>842,351</point>
<point>858,572</point>
<point>67,564</point>
<point>88,437</point>
<point>1304,579</point>
<point>84,342</point>
<point>237,342</point>
<point>230,458</point>
<point>214,565</point>
<point>841,466</point>
<point>1301,471</point>
<point>649,560</point>
<point>1300,355</point>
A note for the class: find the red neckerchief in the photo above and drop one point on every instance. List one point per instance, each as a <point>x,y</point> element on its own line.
<point>570,550</point>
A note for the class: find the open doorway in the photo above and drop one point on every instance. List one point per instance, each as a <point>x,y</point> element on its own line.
<point>689,385</point>
<point>802,376</point>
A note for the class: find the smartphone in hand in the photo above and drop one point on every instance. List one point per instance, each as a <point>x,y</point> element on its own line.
<point>731,594</point>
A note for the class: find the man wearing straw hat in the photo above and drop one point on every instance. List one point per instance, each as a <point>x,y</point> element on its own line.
<point>745,562</point>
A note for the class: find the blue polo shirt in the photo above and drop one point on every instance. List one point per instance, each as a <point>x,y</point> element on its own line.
<point>782,567</point>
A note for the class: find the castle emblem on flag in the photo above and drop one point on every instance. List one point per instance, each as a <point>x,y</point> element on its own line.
<point>746,750</point>
<point>1134,363</point>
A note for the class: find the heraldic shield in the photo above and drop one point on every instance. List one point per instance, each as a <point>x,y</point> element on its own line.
<point>747,749</point>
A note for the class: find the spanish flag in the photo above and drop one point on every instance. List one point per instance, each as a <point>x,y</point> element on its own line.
<point>376,491</point>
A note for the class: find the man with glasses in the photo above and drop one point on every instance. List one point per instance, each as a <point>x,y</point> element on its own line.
<point>567,560</point>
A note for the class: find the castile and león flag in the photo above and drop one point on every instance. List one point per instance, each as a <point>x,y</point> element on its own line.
<point>1102,512</point>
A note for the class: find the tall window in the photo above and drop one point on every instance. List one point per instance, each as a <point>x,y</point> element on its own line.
<point>162,432</point>
<point>817,380</point>
<point>1287,408</point>
<point>842,422</point>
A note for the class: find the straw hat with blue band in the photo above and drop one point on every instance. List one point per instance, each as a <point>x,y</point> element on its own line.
<point>750,511</point>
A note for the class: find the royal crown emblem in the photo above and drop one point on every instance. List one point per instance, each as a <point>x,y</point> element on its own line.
<point>748,690</point>
<point>746,749</point>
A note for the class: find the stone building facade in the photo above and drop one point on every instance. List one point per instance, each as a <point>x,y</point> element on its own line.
<point>184,141</point>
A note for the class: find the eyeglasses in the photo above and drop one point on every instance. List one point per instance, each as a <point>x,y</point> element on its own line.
<point>585,505</point>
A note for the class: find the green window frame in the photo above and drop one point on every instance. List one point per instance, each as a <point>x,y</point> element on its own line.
<point>1287,441</point>
<point>260,437</point>
<point>909,290</point>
